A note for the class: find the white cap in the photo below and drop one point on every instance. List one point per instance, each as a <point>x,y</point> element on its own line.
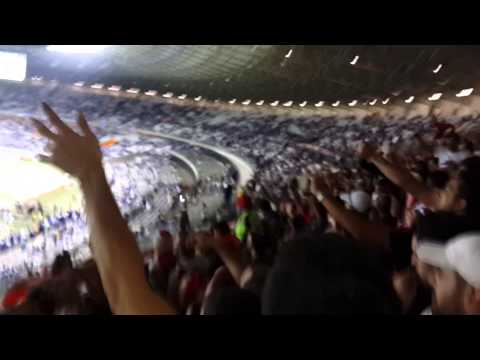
<point>460,254</point>
<point>360,200</point>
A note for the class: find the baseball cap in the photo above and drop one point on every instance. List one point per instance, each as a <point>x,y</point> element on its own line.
<point>460,254</point>
<point>360,201</point>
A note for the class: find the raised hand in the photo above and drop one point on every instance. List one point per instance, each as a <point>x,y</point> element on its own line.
<point>366,151</point>
<point>77,154</point>
<point>318,185</point>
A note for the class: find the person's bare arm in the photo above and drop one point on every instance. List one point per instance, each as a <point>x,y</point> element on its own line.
<point>119,260</point>
<point>231,255</point>
<point>374,235</point>
<point>402,178</point>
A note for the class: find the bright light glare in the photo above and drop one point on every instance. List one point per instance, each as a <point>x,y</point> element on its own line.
<point>319,104</point>
<point>151,92</point>
<point>303,104</point>
<point>260,103</point>
<point>435,97</point>
<point>233,101</point>
<point>198,98</point>
<point>13,66</point>
<point>79,83</point>
<point>246,102</point>
<point>275,103</point>
<point>37,78</point>
<point>289,53</point>
<point>355,59</point>
<point>353,103</point>
<point>438,68</point>
<point>385,102</point>
<point>167,95</point>
<point>183,97</point>
<point>336,103</point>
<point>133,91</point>
<point>410,99</point>
<point>114,88</point>
<point>288,103</point>
<point>373,102</point>
<point>97,86</point>
<point>77,49</point>
<point>465,92</point>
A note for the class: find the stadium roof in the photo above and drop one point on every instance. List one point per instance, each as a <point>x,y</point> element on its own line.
<point>267,72</point>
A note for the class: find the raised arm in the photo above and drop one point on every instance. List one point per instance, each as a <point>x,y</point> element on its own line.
<point>402,178</point>
<point>373,235</point>
<point>118,257</point>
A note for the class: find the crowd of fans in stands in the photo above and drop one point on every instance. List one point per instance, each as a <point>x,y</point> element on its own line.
<point>342,217</point>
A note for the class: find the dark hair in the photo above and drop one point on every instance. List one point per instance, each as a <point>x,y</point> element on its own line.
<point>61,263</point>
<point>469,176</point>
<point>326,274</point>
<point>43,300</point>
<point>438,179</point>
<point>222,227</point>
<point>232,301</point>
<point>442,226</point>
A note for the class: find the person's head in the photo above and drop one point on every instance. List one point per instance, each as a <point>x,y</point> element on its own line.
<point>456,273</point>
<point>243,203</point>
<point>221,229</point>
<point>461,193</point>
<point>259,246</point>
<point>325,274</point>
<point>438,179</point>
<point>232,301</point>
<point>165,243</point>
<point>41,301</point>
<point>62,263</point>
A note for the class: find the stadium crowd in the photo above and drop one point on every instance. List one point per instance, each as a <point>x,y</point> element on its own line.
<point>342,217</point>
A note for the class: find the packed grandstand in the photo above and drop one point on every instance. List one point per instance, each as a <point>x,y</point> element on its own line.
<point>317,216</point>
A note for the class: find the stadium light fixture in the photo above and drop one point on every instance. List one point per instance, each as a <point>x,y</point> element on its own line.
<point>464,92</point>
<point>151,92</point>
<point>373,102</point>
<point>246,102</point>
<point>288,103</point>
<point>355,60</point>
<point>289,53</point>
<point>260,103</point>
<point>167,95</point>
<point>133,91</point>
<point>410,99</point>
<point>77,49</point>
<point>385,102</point>
<point>319,104</point>
<point>275,103</point>
<point>79,83</point>
<point>97,86</point>
<point>435,97</point>
<point>233,101</point>
<point>198,98</point>
<point>303,104</point>
<point>353,103</point>
<point>13,66</point>
<point>114,88</point>
<point>437,69</point>
<point>336,103</point>
<point>183,97</point>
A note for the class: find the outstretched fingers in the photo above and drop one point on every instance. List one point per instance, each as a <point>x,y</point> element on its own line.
<point>43,130</point>
<point>83,124</point>
<point>56,121</point>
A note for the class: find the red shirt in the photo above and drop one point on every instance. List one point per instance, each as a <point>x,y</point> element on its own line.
<point>14,297</point>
